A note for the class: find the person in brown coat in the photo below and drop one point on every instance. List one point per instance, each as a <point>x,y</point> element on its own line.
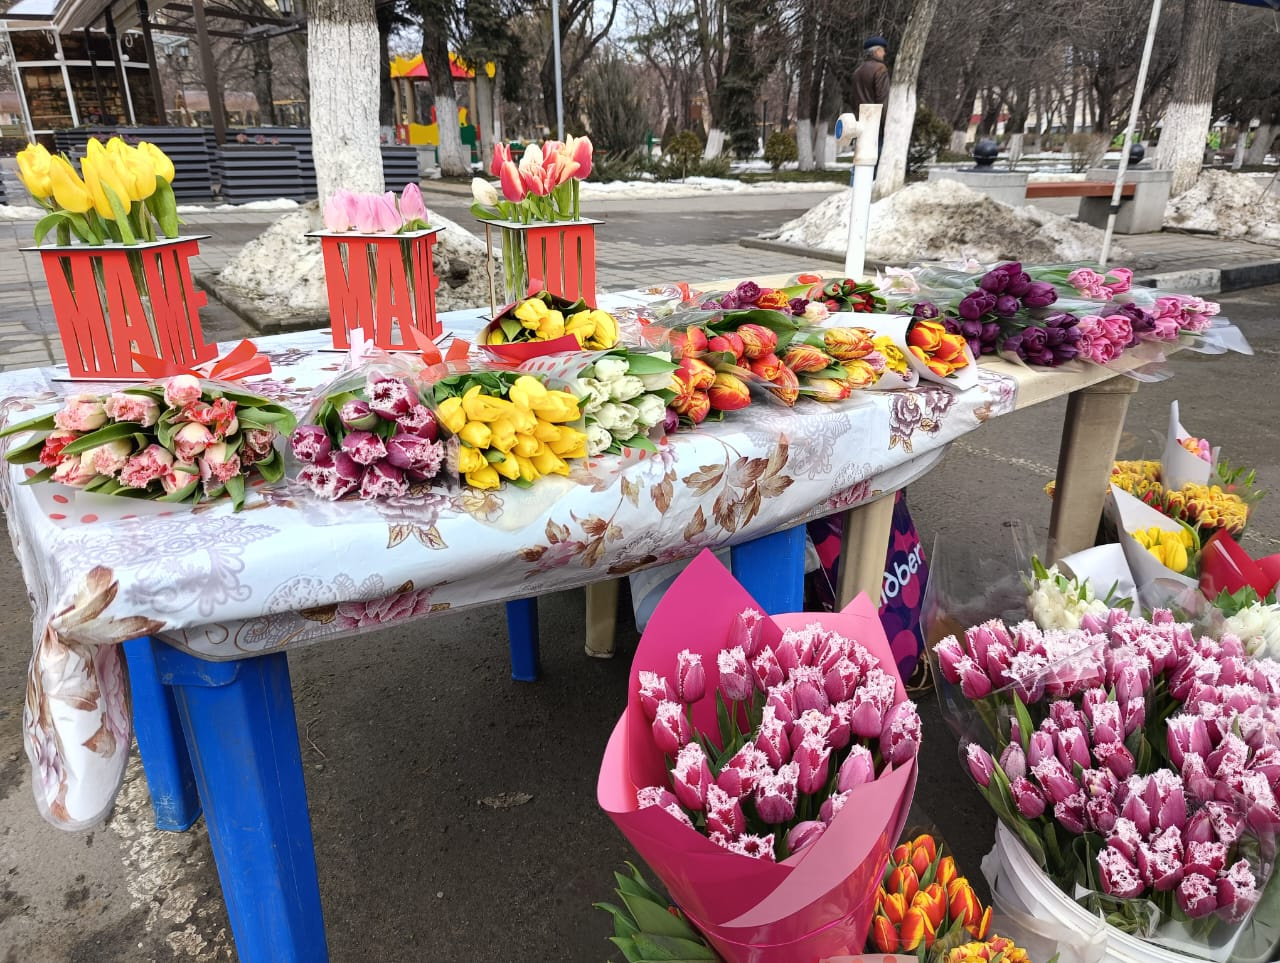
<point>871,81</point>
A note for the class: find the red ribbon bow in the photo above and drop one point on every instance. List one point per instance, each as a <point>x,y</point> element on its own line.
<point>240,362</point>
<point>431,352</point>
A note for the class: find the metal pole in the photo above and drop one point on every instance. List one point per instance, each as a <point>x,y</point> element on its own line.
<point>1128,133</point>
<point>866,150</point>
<point>555,49</point>
<point>210,74</point>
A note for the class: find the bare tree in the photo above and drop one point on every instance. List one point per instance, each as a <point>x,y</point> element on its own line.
<point>1186,121</point>
<point>582,29</point>
<point>901,109</point>
<point>665,39</point>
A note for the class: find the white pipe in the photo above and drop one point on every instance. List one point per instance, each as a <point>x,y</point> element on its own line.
<point>1128,133</point>
<point>555,48</point>
<point>865,132</point>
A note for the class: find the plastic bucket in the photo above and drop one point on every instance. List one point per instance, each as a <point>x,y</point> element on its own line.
<point>1039,917</point>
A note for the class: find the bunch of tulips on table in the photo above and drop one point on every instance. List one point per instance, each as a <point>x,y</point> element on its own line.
<point>808,297</point>
<point>831,363</point>
<point>1136,762</point>
<point>1160,316</point>
<point>123,196</point>
<point>180,440</point>
<point>552,321</point>
<point>624,396</point>
<point>508,426</point>
<point>369,435</point>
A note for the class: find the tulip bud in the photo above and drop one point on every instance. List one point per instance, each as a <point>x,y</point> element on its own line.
<point>728,392</point>
<point>757,340</point>
<point>691,678</point>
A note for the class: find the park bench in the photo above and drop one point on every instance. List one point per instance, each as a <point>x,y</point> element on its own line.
<point>1077,189</point>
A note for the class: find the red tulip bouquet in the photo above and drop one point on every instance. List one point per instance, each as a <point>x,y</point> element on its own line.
<point>1138,765</point>
<point>763,767</point>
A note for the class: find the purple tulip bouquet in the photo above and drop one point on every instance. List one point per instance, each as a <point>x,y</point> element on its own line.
<point>1138,764</point>
<point>368,435</point>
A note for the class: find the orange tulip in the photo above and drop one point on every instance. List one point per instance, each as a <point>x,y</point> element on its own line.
<point>701,375</point>
<point>767,366</point>
<point>688,343</point>
<point>786,386</point>
<point>946,871</point>
<point>883,936</point>
<point>901,854</point>
<point>699,407</point>
<point>983,927</point>
<point>932,899</point>
<point>859,374</point>
<point>903,879</point>
<point>926,335</point>
<point>928,844</point>
<point>757,340</point>
<point>776,300</point>
<point>848,344</point>
<point>805,357</point>
<point>728,392</point>
<point>962,903</point>
<point>922,856</point>
<point>894,906</point>
<point>916,929</point>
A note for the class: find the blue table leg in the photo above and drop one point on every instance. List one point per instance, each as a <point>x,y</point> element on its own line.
<point>243,738</point>
<point>771,568</point>
<point>160,742</point>
<point>522,635</point>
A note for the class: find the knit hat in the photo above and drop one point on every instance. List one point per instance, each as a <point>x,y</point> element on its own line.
<point>875,42</point>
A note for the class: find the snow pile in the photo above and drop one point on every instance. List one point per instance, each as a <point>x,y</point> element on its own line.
<point>275,204</point>
<point>20,212</point>
<point>945,220</point>
<point>282,270</point>
<point>697,187</point>
<point>1231,205</point>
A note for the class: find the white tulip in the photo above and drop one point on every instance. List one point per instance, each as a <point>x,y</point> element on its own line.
<point>651,410</point>
<point>610,369</point>
<point>483,192</point>
<point>598,440</point>
<point>626,388</point>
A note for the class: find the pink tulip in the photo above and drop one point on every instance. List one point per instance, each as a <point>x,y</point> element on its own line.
<point>388,216</point>
<point>900,737</point>
<point>1027,798</point>
<point>218,465</point>
<point>365,214</point>
<point>724,813</point>
<point>412,206</point>
<point>139,409</point>
<point>691,777</point>
<point>981,765</point>
<point>81,412</point>
<point>364,447</point>
<point>814,760</point>
<point>858,768</point>
<point>671,728</point>
<point>767,670</point>
<point>841,680</point>
<point>310,443</point>
<point>501,157</point>
<point>339,211</point>
<point>748,631</point>
<point>191,440</point>
<point>513,188</point>
<point>772,738</point>
<point>331,476</point>
<point>1013,761</point>
<point>1197,895</point>
<point>534,181</point>
<point>1118,875</point>
<point>558,169</point>
<point>736,682</point>
<point>75,470</point>
<point>654,689</point>
<point>182,390</point>
<point>775,795</point>
<point>691,677</point>
<point>147,466</point>
<point>108,458</point>
<point>804,834</point>
<point>580,150</point>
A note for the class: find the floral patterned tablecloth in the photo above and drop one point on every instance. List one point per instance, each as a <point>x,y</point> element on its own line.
<point>289,570</point>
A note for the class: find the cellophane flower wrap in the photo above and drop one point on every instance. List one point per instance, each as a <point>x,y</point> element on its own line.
<point>623,395</point>
<point>763,767</point>
<point>368,434</point>
<point>183,439</point>
<point>545,323</point>
<point>1137,763</point>
<point>506,425</point>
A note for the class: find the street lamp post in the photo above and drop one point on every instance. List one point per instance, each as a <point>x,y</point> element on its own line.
<point>555,48</point>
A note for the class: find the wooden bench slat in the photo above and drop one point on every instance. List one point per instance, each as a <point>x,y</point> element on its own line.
<point>1077,189</point>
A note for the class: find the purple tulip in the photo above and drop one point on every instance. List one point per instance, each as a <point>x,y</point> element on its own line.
<point>1186,733</point>
<point>1135,810</point>
<point>925,310</point>
<point>1019,281</point>
<point>766,669</point>
<point>1162,867</point>
<point>995,281</point>
<point>1237,891</point>
<point>1197,895</point>
<point>1054,778</point>
<point>1040,747</point>
<point>1070,813</point>
<point>691,776</point>
<point>364,447</point>
<point>1007,306</point>
<point>310,443</point>
<point>1039,294</point>
<point>1028,799</point>
<point>949,653</point>
<point>974,683</point>
<point>1013,762</point>
<point>748,292</point>
<point>900,737</point>
<point>331,476</point>
<point>797,306</point>
<point>1103,813</point>
<point>975,304</point>
<point>419,420</point>
<point>383,480</point>
<point>1118,875</point>
<point>415,452</point>
<point>390,397</point>
<point>980,764</point>
<point>671,728</point>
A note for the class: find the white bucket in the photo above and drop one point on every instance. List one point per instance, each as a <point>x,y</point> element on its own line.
<point>1032,911</point>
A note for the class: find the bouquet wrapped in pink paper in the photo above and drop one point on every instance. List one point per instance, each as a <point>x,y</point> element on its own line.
<point>791,748</point>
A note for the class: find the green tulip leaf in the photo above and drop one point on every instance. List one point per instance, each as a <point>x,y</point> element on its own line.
<point>42,423</point>
<point>111,432</point>
<point>41,476</point>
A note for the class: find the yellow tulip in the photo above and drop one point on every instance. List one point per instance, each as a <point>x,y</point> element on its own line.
<point>552,326</point>
<point>476,434</point>
<point>33,167</point>
<point>557,406</point>
<point>526,446</point>
<point>527,472</point>
<point>451,416</point>
<point>470,460</point>
<point>545,431</point>
<point>482,407</point>
<point>570,444</point>
<point>139,171</point>
<point>549,463</point>
<point>581,325</point>
<point>69,192</point>
<point>522,419</point>
<point>484,479</point>
<point>606,333</point>
<point>502,435</point>
<point>160,161</point>
<point>531,313</point>
<point>508,467</point>
<point>526,390</point>
<point>102,175</point>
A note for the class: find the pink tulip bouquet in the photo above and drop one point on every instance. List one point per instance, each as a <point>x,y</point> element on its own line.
<point>368,435</point>
<point>181,440</point>
<point>776,753</point>
<point>541,187</point>
<point>1138,764</point>
<point>345,212</point>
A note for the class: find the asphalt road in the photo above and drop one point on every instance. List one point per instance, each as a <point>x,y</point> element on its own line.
<point>418,747</point>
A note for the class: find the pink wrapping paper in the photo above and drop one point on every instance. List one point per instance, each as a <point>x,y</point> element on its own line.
<point>812,906</point>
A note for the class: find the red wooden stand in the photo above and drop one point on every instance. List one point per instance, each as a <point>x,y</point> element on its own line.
<point>563,258</point>
<point>111,302</point>
<point>384,284</point>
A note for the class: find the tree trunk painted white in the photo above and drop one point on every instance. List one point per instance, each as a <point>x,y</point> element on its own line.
<point>1182,143</point>
<point>1015,148</point>
<point>1190,110</point>
<point>959,141</point>
<point>804,143</point>
<point>342,46</point>
<point>1237,158</point>
<point>1263,135</point>
<point>453,155</point>
<point>901,110</point>
<point>715,144</point>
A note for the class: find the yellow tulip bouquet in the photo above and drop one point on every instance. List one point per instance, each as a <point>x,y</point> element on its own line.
<point>508,426</point>
<point>121,193</point>
<point>545,323</point>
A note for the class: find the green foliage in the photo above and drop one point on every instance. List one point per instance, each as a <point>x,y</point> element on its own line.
<point>930,134</point>
<point>647,928</point>
<point>614,108</point>
<point>625,165</point>
<point>780,149</point>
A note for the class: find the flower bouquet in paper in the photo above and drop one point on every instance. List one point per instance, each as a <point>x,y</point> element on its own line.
<point>507,425</point>
<point>368,434</point>
<point>831,363</point>
<point>1134,762</point>
<point>545,323</point>
<point>931,351</point>
<point>184,439</point>
<point>763,767</point>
